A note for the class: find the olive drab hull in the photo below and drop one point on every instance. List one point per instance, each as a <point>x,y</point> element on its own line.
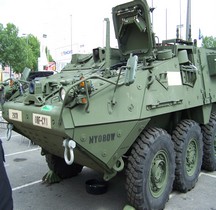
<point>143,108</point>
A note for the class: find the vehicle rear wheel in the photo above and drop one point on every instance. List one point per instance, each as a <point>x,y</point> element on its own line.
<point>188,143</point>
<point>209,149</point>
<point>150,170</point>
<point>59,167</point>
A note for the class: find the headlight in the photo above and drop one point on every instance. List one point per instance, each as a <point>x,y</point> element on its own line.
<point>62,93</point>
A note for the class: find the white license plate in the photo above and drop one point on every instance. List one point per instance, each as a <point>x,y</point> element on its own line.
<point>42,120</point>
<point>15,115</point>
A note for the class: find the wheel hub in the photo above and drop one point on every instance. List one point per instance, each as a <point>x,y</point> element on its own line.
<point>158,173</point>
<point>191,157</point>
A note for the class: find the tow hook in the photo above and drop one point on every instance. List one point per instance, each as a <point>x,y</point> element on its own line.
<point>69,146</point>
<point>9,131</point>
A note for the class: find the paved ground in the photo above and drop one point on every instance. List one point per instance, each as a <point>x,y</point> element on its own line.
<point>25,167</point>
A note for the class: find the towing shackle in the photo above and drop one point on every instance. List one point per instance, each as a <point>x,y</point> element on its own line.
<point>69,146</point>
<point>9,131</point>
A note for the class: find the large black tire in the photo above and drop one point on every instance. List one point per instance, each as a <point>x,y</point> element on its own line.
<point>209,149</point>
<point>58,165</point>
<point>150,170</point>
<point>188,143</point>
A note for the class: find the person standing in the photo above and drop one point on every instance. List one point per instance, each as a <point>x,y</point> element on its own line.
<point>6,200</point>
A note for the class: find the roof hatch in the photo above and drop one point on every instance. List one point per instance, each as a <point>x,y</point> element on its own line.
<point>133,27</point>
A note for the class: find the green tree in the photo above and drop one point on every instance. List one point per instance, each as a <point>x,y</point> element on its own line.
<point>209,42</point>
<point>18,52</point>
<point>33,51</point>
<point>12,50</point>
<point>49,56</point>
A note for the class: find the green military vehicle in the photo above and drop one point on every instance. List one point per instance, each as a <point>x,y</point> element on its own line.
<point>146,108</point>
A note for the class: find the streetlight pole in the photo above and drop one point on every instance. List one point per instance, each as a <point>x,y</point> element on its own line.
<point>27,37</point>
<point>71,32</point>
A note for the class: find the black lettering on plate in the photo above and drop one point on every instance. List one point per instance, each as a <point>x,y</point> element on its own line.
<point>41,120</point>
<point>101,138</point>
<point>14,115</point>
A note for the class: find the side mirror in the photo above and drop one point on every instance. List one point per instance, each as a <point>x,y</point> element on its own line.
<point>131,70</point>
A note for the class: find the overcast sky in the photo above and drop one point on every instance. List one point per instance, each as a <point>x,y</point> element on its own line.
<point>53,17</point>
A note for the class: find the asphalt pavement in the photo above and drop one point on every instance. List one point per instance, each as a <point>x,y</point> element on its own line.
<point>26,167</point>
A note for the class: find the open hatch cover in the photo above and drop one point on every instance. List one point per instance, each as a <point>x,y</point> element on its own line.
<point>133,27</point>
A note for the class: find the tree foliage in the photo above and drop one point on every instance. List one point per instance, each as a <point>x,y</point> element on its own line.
<point>32,51</point>
<point>12,50</point>
<point>48,55</point>
<point>18,52</point>
<point>209,42</point>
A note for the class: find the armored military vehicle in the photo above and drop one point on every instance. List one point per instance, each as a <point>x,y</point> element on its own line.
<point>147,108</point>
